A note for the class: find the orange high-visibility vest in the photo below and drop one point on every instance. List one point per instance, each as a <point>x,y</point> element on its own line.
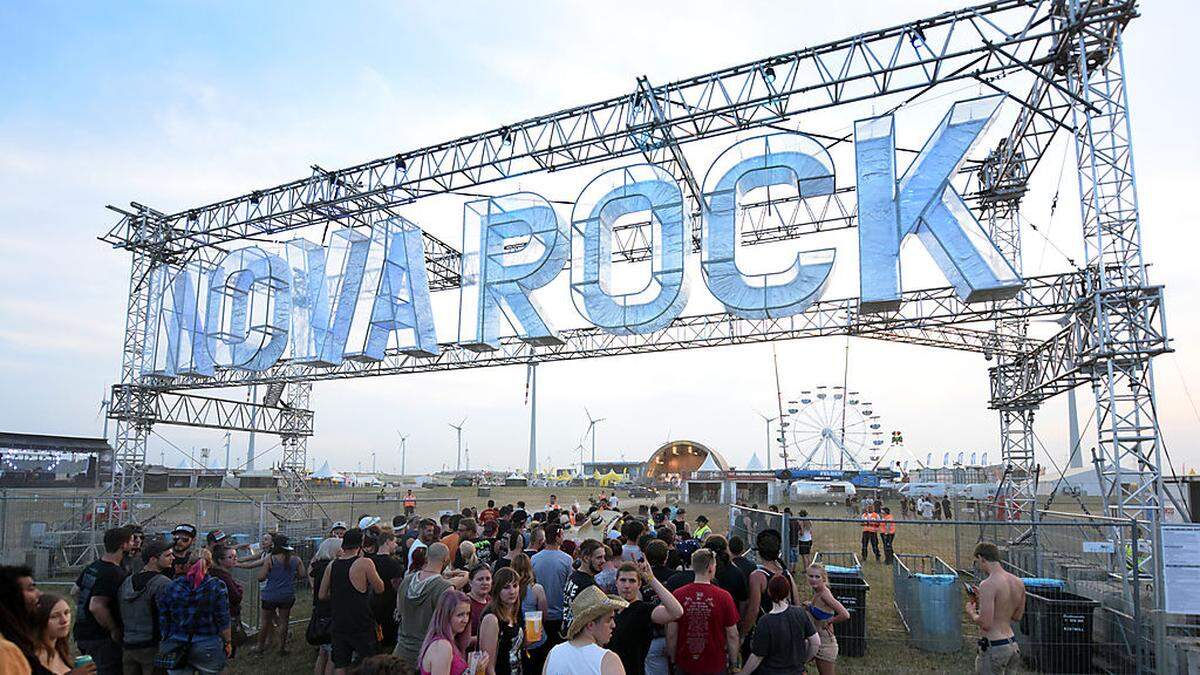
<point>870,522</point>
<point>888,524</point>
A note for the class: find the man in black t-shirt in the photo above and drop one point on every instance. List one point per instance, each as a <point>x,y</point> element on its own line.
<point>98,627</point>
<point>592,557</point>
<point>737,549</point>
<point>636,624</point>
<point>381,550</point>
<point>680,523</point>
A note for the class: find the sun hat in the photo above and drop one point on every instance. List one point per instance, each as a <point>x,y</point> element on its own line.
<point>591,604</point>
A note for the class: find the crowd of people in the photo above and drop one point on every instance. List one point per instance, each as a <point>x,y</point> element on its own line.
<point>505,590</point>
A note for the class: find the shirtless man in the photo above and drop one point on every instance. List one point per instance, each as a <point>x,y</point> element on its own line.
<point>1001,601</point>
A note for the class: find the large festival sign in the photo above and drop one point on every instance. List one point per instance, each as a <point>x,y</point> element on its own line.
<point>363,292</point>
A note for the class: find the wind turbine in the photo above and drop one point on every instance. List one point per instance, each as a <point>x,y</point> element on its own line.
<point>768,420</point>
<point>459,427</point>
<point>592,422</point>
<point>403,450</point>
<point>580,449</point>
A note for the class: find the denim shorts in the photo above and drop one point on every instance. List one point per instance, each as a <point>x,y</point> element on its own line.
<point>206,655</point>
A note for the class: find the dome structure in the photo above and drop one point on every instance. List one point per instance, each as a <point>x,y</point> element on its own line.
<point>682,457</point>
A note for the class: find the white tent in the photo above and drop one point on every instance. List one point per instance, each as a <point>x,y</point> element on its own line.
<point>326,473</point>
<point>709,465</point>
<point>754,464</point>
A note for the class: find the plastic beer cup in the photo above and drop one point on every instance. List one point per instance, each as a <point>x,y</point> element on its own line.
<point>473,667</point>
<point>533,626</point>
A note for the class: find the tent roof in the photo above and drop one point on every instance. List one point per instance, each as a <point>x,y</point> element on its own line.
<point>754,464</point>
<point>709,464</point>
<point>326,472</point>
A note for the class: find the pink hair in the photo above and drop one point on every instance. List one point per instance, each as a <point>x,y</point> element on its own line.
<point>439,624</point>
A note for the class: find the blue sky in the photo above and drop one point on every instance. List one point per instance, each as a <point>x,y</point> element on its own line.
<point>180,104</point>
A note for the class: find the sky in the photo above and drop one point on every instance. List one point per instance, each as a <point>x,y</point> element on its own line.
<point>175,105</point>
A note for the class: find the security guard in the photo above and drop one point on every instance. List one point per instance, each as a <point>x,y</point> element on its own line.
<point>887,532</point>
<point>870,530</point>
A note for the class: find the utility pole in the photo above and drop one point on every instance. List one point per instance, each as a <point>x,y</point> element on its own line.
<point>250,397</point>
<point>403,452</point>
<point>532,418</point>
<point>373,462</point>
<point>227,476</point>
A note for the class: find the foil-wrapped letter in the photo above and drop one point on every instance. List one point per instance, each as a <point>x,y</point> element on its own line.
<point>924,203</point>
<point>512,245</point>
<point>641,196</point>
<point>787,159</point>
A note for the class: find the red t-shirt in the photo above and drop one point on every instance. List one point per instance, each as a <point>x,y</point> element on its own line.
<point>488,516</point>
<point>707,611</point>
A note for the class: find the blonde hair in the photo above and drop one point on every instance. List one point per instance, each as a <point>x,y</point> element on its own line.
<point>820,568</point>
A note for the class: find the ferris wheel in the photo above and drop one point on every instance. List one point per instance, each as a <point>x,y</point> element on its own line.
<point>830,428</point>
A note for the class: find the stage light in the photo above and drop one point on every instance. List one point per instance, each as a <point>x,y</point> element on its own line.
<point>401,165</point>
<point>255,197</point>
<point>506,136</point>
<point>769,75</point>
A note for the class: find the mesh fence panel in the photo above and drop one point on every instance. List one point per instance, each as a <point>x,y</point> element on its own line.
<point>912,610</point>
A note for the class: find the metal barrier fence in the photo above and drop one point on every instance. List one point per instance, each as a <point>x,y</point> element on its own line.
<point>59,532</point>
<point>1076,618</point>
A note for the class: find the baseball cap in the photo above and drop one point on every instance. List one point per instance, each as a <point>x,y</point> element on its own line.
<point>336,525</point>
<point>216,536</point>
<point>367,521</point>
<point>154,549</point>
<point>185,528</point>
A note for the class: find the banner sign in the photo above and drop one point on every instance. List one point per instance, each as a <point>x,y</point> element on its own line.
<point>366,292</point>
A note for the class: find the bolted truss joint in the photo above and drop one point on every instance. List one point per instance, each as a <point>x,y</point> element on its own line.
<point>1123,326</point>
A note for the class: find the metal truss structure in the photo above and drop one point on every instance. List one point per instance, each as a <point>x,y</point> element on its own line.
<point>1069,49</point>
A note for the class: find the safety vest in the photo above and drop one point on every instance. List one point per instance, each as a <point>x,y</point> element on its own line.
<point>410,501</point>
<point>870,521</point>
<point>888,524</point>
<point>702,532</point>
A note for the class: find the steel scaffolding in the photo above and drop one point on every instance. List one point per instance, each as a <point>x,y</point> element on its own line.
<point>1070,50</point>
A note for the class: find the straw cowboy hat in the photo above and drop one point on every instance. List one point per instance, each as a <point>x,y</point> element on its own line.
<point>589,605</point>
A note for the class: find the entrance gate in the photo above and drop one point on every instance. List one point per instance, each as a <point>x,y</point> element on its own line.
<point>1060,63</point>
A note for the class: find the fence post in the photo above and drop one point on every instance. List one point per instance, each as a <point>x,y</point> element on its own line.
<point>1137,598</point>
<point>3,519</point>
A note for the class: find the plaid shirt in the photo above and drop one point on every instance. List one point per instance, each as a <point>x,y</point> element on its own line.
<point>200,612</point>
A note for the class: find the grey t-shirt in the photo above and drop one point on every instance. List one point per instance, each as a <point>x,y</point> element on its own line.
<point>552,568</point>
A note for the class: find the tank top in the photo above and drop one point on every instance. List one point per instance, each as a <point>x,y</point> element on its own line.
<point>280,583</point>
<point>567,659</point>
<point>457,663</point>
<point>766,603</point>
<point>349,607</point>
<point>529,604</point>
<point>508,645</point>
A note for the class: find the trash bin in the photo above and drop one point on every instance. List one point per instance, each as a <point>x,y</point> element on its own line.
<point>848,586</point>
<point>1055,633</point>
<point>929,597</point>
